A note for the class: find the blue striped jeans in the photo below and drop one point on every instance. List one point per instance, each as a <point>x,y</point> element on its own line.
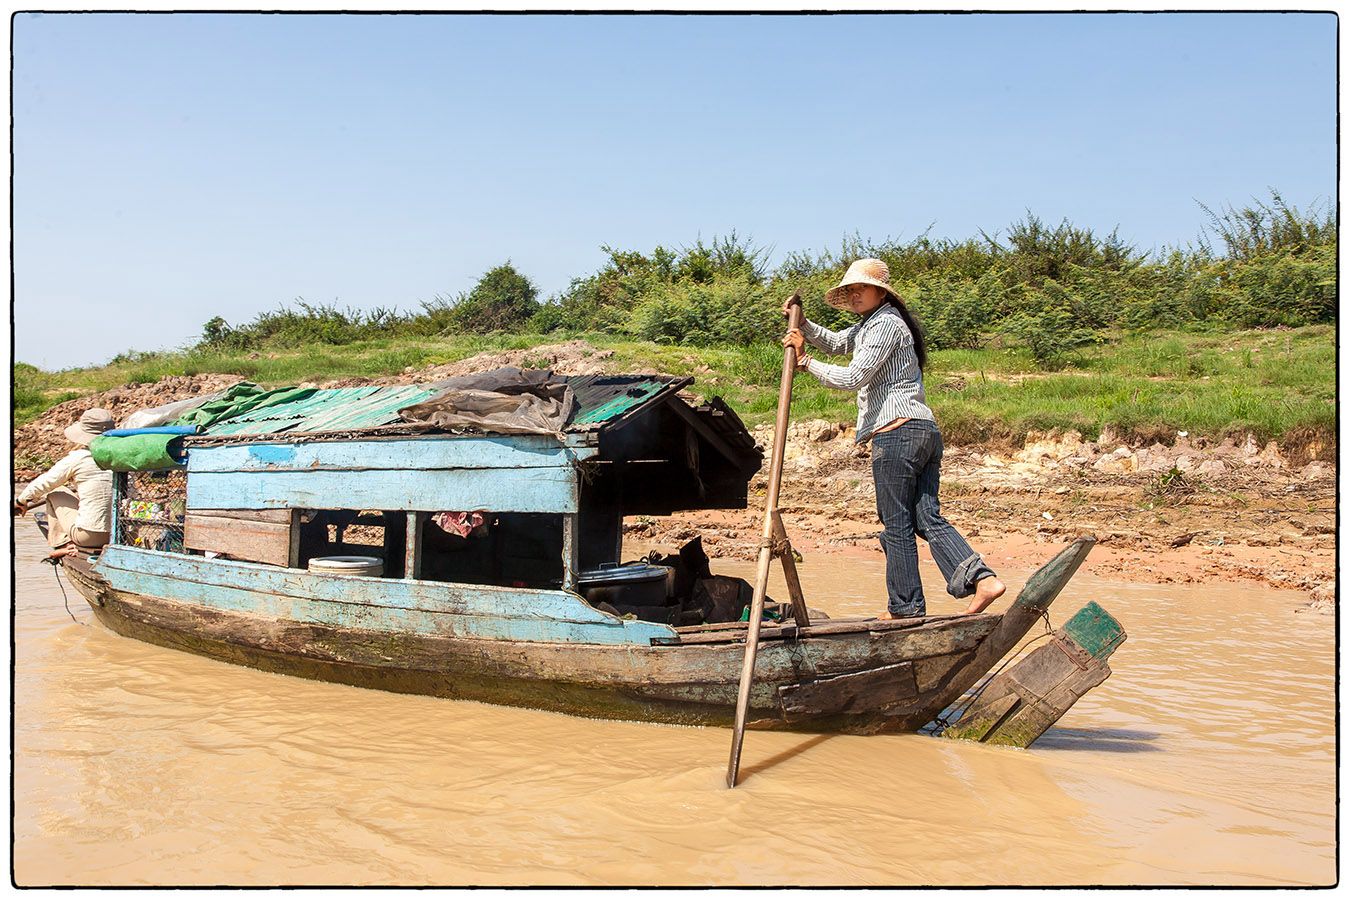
<point>905,464</point>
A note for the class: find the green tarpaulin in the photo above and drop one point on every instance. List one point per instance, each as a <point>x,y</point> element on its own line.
<point>138,452</point>
<point>241,398</point>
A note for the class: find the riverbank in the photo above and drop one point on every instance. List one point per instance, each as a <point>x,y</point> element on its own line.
<point>1166,506</point>
<point>1194,512</point>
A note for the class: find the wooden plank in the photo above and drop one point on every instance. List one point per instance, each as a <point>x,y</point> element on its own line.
<point>867,691</point>
<point>462,599</point>
<point>264,542</point>
<point>412,547</point>
<point>735,631</point>
<point>394,621</point>
<point>692,419</point>
<point>278,516</point>
<point>537,490</point>
<point>1021,703</point>
<point>929,673</point>
<point>703,676</point>
<point>515,452</point>
<point>794,584</point>
<point>741,626</point>
<point>293,552</point>
<point>976,724</point>
<point>936,640</point>
<point>571,551</point>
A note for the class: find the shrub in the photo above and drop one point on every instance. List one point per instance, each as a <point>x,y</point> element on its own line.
<point>1050,326</point>
<point>502,300</point>
<point>1269,290</point>
<point>215,332</point>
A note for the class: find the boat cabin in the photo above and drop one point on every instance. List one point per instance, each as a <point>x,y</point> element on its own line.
<point>337,473</point>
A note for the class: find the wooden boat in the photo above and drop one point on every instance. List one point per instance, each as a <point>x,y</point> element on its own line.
<point>237,585</point>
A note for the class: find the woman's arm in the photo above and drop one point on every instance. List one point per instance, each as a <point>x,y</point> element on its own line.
<point>48,481</point>
<point>827,340</point>
<point>876,346</point>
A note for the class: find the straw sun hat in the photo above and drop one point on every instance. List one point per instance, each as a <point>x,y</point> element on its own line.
<point>92,423</point>
<point>862,271</point>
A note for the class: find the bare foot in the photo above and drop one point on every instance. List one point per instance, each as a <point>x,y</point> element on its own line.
<point>885,614</point>
<point>987,590</point>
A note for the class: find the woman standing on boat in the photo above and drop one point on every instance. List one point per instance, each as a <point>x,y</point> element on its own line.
<point>887,372</point>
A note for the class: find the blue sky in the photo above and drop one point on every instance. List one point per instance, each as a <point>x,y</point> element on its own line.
<point>169,168</point>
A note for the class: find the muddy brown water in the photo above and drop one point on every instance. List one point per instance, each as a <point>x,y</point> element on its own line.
<point>1207,758</point>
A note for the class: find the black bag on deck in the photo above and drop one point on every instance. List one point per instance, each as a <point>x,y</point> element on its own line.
<point>723,598</point>
<point>690,565</point>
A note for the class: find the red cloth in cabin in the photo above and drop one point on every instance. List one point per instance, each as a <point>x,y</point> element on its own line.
<point>460,523</point>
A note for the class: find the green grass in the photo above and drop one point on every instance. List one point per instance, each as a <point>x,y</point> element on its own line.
<point>1273,383</point>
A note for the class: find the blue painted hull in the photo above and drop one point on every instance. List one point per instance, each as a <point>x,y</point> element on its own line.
<point>634,679</point>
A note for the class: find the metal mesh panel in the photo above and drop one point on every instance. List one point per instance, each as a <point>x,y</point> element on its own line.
<point>150,511</point>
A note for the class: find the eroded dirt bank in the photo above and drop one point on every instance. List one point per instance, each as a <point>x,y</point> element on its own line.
<point>1188,511</point>
<point>1191,512</point>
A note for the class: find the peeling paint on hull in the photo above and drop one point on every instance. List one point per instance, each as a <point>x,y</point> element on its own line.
<point>863,681</point>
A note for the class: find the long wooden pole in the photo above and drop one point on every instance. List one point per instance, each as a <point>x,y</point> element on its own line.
<point>794,305</point>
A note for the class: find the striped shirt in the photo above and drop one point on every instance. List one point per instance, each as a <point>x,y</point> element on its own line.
<point>884,369</point>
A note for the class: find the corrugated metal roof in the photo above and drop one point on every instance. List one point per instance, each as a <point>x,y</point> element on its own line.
<point>600,399</point>
<point>335,409</point>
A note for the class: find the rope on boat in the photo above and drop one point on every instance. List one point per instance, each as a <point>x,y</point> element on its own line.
<point>56,570</point>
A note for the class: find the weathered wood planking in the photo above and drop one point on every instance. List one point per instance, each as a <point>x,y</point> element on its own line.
<point>264,542</point>
<point>1020,704</point>
<point>783,662</point>
<point>783,550</point>
<point>439,666</point>
<point>1032,601</point>
<point>119,563</point>
<point>855,692</point>
<point>533,490</point>
<point>412,546</point>
<point>689,684</point>
<point>279,516</point>
<point>728,632</point>
<point>516,452</point>
<point>522,648</point>
<point>388,619</point>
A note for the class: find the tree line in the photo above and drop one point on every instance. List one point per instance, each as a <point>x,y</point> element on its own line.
<point>1050,288</point>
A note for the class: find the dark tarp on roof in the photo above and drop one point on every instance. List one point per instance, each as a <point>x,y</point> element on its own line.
<point>502,401</point>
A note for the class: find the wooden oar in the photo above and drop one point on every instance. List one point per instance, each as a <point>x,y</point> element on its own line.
<point>794,305</point>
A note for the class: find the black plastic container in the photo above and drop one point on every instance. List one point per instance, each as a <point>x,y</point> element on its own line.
<point>633,584</point>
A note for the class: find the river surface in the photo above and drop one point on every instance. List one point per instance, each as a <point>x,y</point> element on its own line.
<point>1207,758</point>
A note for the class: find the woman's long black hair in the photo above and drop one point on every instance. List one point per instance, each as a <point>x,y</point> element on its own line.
<point>920,345</point>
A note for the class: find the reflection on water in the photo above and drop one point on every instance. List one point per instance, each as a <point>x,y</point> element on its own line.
<point>1208,757</point>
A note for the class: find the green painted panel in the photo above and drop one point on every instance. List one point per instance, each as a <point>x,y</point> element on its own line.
<point>336,409</point>
<point>1095,630</point>
<point>617,406</point>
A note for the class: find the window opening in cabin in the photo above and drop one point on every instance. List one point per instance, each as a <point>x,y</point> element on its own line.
<point>150,511</point>
<point>353,532</point>
<point>483,547</point>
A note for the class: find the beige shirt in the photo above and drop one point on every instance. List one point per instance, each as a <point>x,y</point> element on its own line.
<point>94,487</point>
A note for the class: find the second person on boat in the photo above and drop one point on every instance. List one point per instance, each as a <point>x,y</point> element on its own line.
<point>887,372</point>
